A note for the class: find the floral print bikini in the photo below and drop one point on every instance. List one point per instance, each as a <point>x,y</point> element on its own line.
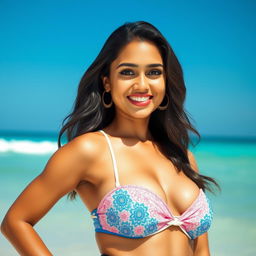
<point>134,211</point>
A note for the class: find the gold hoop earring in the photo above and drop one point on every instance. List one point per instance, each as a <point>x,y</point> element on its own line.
<point>166,105</point>
<point>106,105</point>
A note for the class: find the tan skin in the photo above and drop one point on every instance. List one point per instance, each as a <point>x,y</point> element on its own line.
<point>84,164</point>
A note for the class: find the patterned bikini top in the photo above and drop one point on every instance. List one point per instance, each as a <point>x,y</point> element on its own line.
<point>134,211</point>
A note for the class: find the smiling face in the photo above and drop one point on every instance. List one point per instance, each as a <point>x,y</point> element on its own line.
<point>136,81</point>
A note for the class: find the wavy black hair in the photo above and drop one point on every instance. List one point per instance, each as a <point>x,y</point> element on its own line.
<point>170,128</point>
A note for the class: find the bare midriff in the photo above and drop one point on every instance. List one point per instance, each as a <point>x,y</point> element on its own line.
<point>170,242</point>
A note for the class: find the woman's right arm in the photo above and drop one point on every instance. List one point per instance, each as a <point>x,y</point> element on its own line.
<point>62,173</point>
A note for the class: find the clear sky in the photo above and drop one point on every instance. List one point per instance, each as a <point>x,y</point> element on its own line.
<point>46,46</point>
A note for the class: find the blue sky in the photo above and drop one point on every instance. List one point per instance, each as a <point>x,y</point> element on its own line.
<point>46,46</point>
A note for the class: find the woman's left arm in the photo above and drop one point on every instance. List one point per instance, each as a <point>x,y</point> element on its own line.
<point>201,245</point>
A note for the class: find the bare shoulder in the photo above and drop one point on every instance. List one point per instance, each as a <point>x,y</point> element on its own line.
<point>72,161</point>
<point>65,169</point>
<point>89,145</point>
<point>192,161</point>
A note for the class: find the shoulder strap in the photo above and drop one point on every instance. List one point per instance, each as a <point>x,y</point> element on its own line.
<point>113,158</point>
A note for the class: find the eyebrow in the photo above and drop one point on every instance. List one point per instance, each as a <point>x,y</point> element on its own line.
<point>135,65</point>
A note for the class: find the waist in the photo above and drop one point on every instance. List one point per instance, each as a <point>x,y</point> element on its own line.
<point>165,243</point>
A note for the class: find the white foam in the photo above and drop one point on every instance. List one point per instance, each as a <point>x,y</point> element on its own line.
<point>27,146</point>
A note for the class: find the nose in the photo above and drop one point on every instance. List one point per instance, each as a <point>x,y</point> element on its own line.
<point>142,82</point>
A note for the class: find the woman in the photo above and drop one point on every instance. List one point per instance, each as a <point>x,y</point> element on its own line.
<point>127,157</point>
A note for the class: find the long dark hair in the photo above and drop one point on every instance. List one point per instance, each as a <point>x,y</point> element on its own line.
<point>169,128</point>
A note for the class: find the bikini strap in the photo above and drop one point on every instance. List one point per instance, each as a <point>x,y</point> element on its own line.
<point>113,158</point>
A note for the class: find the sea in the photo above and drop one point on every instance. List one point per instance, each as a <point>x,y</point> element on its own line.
<point>67,228</point>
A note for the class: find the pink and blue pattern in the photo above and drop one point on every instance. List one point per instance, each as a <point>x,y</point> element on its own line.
<point>134,212</point>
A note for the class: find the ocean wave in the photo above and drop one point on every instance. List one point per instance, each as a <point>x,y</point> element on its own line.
<point>28,146</point>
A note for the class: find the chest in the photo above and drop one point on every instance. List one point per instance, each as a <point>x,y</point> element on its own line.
<point>144,166</point>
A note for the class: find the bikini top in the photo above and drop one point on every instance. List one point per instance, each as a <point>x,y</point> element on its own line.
<point>134,211</point>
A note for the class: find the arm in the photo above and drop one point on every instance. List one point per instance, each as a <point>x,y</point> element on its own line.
<point>201,244</point>
<point>62,173</point>
<point>192,161</point>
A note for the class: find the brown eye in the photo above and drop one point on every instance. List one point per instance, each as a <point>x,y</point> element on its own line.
<point>155,72</point>
<point>127,72</point>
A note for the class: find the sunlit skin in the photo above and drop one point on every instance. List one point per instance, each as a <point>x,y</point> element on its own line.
<point>85,165</point>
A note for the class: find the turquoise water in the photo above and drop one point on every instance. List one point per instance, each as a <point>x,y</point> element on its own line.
<point>67,228</point>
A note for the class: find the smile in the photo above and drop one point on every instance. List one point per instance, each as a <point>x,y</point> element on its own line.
<point>140,101</point>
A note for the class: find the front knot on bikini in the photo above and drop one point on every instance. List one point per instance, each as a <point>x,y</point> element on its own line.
<point>175,222</point>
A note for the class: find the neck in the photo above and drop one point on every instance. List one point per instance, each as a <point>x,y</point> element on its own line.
<point>130,128</point>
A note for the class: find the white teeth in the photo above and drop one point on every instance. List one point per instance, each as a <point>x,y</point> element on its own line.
<point>139,98</point>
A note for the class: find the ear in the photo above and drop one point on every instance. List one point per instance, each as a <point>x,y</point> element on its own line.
<point>106,83</point>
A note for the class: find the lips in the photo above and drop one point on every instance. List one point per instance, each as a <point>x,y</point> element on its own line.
<point>140,99</point>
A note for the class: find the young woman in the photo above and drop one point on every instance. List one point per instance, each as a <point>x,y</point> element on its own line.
<point>127,157</point>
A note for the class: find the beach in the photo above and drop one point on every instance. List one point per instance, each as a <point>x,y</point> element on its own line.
<point>67,228</point>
